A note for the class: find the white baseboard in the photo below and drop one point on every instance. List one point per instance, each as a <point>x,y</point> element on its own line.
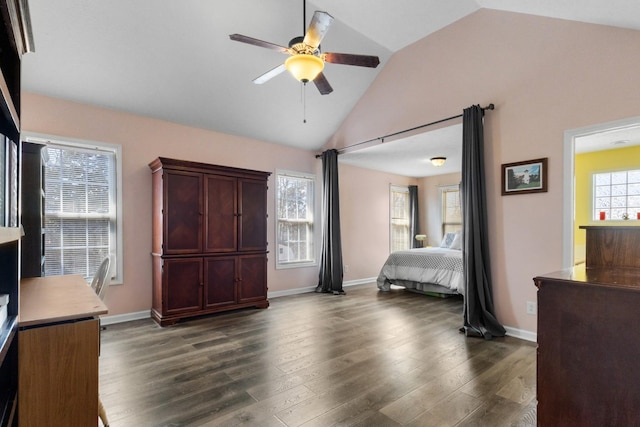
<point>127,317</point>
<point>522,334</point>
<point>359,281</point>
<point>146,314</point>
<point>512,332</point>
<point>297,291</point>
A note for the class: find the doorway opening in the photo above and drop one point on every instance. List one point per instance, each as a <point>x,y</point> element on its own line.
<point>591,139</point>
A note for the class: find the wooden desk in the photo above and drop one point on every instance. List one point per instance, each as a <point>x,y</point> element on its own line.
<point>58,348</point>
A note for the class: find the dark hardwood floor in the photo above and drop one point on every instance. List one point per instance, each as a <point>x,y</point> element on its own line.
<point>364,359</point>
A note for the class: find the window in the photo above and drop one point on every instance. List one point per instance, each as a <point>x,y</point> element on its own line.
<point>617,194</point>
<point>82,207</point>
<point>294,224</point>
<point>451,210</point>
<point>399,227</point>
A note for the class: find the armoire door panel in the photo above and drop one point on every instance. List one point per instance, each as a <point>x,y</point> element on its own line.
<point>182,212</point>
<point>183,285</point>
<point>253,278</point>
<point>220,281</point>
<point>221,203</point>
<point>253,219</point>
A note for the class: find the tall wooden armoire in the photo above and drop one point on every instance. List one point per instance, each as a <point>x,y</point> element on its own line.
<point>209,239</point>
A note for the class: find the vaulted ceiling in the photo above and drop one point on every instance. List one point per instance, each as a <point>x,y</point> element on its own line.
<point>173,60</point>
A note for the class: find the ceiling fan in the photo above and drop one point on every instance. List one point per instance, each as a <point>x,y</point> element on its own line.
<point>306,60</point>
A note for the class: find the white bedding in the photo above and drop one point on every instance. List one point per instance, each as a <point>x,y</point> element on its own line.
<point>422,268</point>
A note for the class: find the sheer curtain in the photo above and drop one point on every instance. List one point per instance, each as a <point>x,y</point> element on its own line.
<point>479,313</point>
<point>414,218</point>
<point>331,273</point>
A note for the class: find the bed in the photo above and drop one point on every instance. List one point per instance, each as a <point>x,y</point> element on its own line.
<point>434,270</point>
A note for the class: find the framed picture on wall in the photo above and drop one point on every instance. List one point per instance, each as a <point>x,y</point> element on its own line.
<point>529,176</point>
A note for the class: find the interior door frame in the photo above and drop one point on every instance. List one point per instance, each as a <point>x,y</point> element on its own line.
<point>570,137</point>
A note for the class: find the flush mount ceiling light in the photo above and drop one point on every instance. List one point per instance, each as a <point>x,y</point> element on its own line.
<point>621,142</point>
<point>438,161</point>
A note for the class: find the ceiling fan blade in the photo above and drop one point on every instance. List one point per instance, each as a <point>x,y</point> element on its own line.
<point>269,74</point>
<point>260,43</point>
<point>351,59</point>
<point>322,84</point>
<point>318,27</point>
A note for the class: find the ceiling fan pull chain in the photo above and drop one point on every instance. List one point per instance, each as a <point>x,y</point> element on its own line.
<point>304,103</point>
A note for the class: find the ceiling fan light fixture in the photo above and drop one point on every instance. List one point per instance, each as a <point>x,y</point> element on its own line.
<point>438,161</point>
<point>304,67</point>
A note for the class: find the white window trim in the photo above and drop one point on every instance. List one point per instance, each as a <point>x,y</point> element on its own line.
<point>118,274</point>
<point>399,189</point>
<point>444,189</point>
<point>300,264</point>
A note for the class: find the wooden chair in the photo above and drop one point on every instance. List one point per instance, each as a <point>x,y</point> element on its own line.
<point>101,278</point>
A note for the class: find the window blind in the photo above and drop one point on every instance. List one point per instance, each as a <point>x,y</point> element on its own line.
<point>295,205</point>
<point>399,239</point>
<point>80,208</point>
<point>451,211</point>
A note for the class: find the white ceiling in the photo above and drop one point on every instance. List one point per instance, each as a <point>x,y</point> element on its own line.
<point>608,140</point>
<point>410,156</point>
<point>173,60</point>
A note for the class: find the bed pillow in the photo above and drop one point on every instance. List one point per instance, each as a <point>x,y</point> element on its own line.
<point>447,240</point>
<point>457,242</point>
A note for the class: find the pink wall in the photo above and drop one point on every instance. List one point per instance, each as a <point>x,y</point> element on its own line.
<point>544,76</point>
<point>142,140</point>
<point>364,214</point>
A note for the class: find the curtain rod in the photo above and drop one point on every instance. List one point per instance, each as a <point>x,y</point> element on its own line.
<point>381,138</point>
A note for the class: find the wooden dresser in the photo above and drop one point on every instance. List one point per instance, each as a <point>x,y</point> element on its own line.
<point>59,345</point>
<point>209,239</point>
<point>588,366</point>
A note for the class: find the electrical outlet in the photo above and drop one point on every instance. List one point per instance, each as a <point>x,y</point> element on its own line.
<point>345,268</point>
<point>532,308</point>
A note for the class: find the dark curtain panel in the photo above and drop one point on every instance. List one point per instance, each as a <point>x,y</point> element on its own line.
<point>479,313</point>
<point>414,219</point>
<point>330,277</point>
